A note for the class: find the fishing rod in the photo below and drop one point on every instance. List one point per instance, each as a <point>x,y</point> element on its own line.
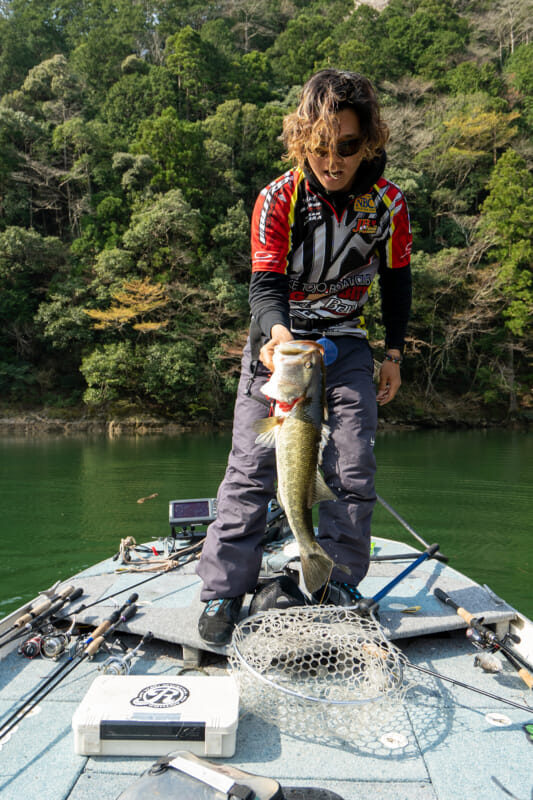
<point>82,642</point>
<point>93,644</point>
<point>529,709</point>
<point>41,606</point>
<point>484,638</point>
<point>31,621</point>
<point>404,524</point>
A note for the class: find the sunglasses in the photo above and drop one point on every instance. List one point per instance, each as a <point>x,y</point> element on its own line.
<point>345,149</point>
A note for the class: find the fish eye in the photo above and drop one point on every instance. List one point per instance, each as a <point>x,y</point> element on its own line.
<point>308,365</point>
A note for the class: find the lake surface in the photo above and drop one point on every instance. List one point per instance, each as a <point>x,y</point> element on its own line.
<point>66,503</point>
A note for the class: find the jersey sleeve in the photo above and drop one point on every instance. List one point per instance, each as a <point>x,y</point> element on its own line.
<point>272,220</point>
<point>400,240</point>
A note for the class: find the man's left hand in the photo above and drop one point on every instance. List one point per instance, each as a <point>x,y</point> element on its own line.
<point>389,380</point>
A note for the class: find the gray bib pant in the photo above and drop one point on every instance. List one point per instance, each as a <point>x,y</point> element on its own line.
<point>231,557</point>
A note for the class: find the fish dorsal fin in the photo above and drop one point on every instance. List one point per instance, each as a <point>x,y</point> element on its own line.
<point>267,429</point>
<point>320,491</point>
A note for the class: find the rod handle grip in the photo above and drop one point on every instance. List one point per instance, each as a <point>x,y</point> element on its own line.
<point>464,614</point>
<point>39,608</point>
<point>129,613</point>
<point>106,624</point>
<point>526,676</point>
<point>93,647</point>
<point>75,594</point>
<point>66,591</point>
<point>447,600</point>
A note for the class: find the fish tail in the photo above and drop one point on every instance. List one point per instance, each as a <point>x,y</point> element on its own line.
<point>316,567</point>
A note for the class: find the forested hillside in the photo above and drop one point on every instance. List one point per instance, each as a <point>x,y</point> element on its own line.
<point>135,136</point>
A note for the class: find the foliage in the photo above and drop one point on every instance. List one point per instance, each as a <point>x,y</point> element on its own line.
<point>134,139</point>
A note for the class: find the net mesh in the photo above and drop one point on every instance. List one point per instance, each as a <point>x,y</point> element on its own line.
<point>318,668</point>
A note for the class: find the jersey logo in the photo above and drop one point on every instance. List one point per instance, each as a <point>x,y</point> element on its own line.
<point>365,203</point>
<point>365,225</point>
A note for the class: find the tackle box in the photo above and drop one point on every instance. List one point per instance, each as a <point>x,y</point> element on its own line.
<point>149,715</point>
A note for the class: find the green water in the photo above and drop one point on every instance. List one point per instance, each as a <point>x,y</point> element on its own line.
<point>65,503</point>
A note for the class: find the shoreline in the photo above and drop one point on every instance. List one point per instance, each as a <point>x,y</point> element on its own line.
<point>41,423</point>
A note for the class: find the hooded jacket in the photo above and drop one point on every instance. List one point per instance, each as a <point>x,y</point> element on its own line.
<point>315,255</point>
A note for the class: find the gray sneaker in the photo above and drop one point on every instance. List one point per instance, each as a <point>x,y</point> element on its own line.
<point>218,619</point>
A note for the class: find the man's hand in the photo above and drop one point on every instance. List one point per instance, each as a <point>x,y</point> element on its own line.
<point>389,379</point>
<point>279,334</point>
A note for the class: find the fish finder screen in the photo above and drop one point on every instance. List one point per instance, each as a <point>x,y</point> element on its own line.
<point>201,510</point>
<point>190,508</point>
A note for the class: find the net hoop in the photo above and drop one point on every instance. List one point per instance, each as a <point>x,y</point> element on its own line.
<point>316,657</point>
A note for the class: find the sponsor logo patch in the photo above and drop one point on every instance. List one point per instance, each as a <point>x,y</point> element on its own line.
<point>161,695</point>
<point>365,225</point>
<point>365,203</point>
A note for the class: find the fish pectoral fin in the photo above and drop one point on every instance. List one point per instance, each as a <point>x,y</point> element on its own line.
<point>321,491</point>
<point>267,429</point>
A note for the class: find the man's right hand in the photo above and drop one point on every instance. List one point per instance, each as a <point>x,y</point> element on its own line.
<point>279,334</point>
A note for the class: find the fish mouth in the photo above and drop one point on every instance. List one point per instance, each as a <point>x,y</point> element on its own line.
<point>298,346</point>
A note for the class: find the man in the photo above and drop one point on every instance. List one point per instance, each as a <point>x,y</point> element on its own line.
<point>321,233</point>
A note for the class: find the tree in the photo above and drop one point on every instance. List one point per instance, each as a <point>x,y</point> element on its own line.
<point>519,74</point>
<point>132,304</point>
<point>506,226</point>
<point>29,263</point>
<point>294,53</point>
<point>135,97</point>
<point>162,235</point>
<point>29,34</point>
<point>188,58</point>
<point>176,149</point>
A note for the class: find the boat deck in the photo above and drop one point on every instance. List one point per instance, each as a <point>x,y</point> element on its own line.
<point>453,742</point>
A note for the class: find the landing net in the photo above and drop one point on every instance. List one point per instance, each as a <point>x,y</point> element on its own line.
<point>318,669</point>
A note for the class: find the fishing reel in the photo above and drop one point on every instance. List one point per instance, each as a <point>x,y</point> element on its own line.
<point>49,643</point>
<point>53,645</point>
<point>31,648</point>
<point>116,665</point>
<point>485,639</point>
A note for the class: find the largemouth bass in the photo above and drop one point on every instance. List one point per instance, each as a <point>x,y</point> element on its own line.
<point>298,432</point>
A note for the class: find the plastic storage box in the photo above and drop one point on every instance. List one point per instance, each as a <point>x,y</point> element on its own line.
<point>147,715</point>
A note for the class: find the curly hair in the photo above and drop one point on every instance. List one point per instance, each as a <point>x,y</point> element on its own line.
<point>314,123</point>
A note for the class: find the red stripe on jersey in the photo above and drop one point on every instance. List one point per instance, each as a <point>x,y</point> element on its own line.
<point>271,223</point>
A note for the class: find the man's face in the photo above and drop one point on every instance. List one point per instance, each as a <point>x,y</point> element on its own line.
<point>336,174</point>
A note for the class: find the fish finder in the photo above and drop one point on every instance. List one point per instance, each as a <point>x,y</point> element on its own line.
<point>200,511</point>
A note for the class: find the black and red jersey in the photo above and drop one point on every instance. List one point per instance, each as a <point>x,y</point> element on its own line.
<point>315,255</point>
